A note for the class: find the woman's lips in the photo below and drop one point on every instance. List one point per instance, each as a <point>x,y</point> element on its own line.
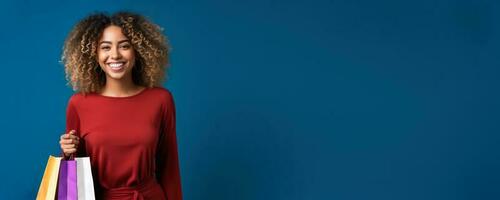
<point>117,66</point>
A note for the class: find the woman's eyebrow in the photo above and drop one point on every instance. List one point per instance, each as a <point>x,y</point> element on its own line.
<point>119,42</point>
<point>122,41</point>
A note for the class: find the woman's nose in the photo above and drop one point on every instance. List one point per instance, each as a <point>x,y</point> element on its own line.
<point>115,54</point>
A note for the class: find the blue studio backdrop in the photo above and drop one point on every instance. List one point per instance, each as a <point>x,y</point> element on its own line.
<point>295,100</point>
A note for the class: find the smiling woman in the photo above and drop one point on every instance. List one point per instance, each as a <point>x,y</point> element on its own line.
<point>120,116</point>
<point>115,54</point>
<point>86,39</point>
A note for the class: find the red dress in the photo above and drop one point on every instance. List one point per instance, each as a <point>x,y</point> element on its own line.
<point>131,142</point>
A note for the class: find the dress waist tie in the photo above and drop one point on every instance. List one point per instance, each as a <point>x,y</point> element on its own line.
<point>127,192</point>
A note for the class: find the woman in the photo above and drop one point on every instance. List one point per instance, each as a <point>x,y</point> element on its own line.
<point>120,116</point>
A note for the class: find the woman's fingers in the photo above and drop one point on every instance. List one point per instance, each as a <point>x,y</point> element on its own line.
<point>66,136</point>
<point>72,132</point>
<point>70,135</point>
<point>69,141</point>
<point>69,151</point>
<point>69,146</point>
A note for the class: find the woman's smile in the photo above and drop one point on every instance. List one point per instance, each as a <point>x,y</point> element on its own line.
<point>116,66</point>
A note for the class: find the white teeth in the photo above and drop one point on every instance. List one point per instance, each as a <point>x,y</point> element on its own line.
<point>116,65</point>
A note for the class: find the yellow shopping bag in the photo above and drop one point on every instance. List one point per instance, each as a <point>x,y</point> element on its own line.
<point>48,186</point>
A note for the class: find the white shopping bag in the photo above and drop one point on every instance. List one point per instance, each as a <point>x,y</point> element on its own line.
<point>84,178</point>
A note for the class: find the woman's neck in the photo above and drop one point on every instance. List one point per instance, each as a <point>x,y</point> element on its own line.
<point>120,88</point>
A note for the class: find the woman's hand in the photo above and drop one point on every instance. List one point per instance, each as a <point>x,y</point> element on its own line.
<point>69,143</point>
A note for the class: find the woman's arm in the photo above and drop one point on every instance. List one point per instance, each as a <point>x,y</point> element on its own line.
<point>73,126</point>
<point>168,173</point>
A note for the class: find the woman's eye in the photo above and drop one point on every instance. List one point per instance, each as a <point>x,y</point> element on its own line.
<point>125,46</point>
<point>105,48</point>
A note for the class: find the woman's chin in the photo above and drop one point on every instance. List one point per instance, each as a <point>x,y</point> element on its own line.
<point>116,76</point>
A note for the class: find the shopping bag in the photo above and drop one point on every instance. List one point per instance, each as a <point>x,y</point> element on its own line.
<point>48,186</point>
<point>67,188</point>
<point>84,178</point>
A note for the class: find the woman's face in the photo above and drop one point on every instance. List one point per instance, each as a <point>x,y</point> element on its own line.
<point>115,54</point>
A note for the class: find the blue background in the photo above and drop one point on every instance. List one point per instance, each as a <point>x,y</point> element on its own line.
<point>296,100</point>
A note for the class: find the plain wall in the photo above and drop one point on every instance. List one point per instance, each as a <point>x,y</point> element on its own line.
<point>294,100</point>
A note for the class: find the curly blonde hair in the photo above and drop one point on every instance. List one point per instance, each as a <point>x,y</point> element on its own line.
<point>80,51</point>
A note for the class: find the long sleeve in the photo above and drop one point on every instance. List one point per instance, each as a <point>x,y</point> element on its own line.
<point>73,123</point>
<point>167,168</point>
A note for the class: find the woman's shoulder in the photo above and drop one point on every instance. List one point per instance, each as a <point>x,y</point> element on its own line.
<point>76,98</point>
<point>162,94</point>
<point>161,91</point>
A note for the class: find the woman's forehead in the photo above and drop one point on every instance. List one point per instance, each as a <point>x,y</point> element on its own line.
<point>112,34</point>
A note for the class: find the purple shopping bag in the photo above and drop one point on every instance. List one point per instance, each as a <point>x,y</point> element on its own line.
<point>67,188</point>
